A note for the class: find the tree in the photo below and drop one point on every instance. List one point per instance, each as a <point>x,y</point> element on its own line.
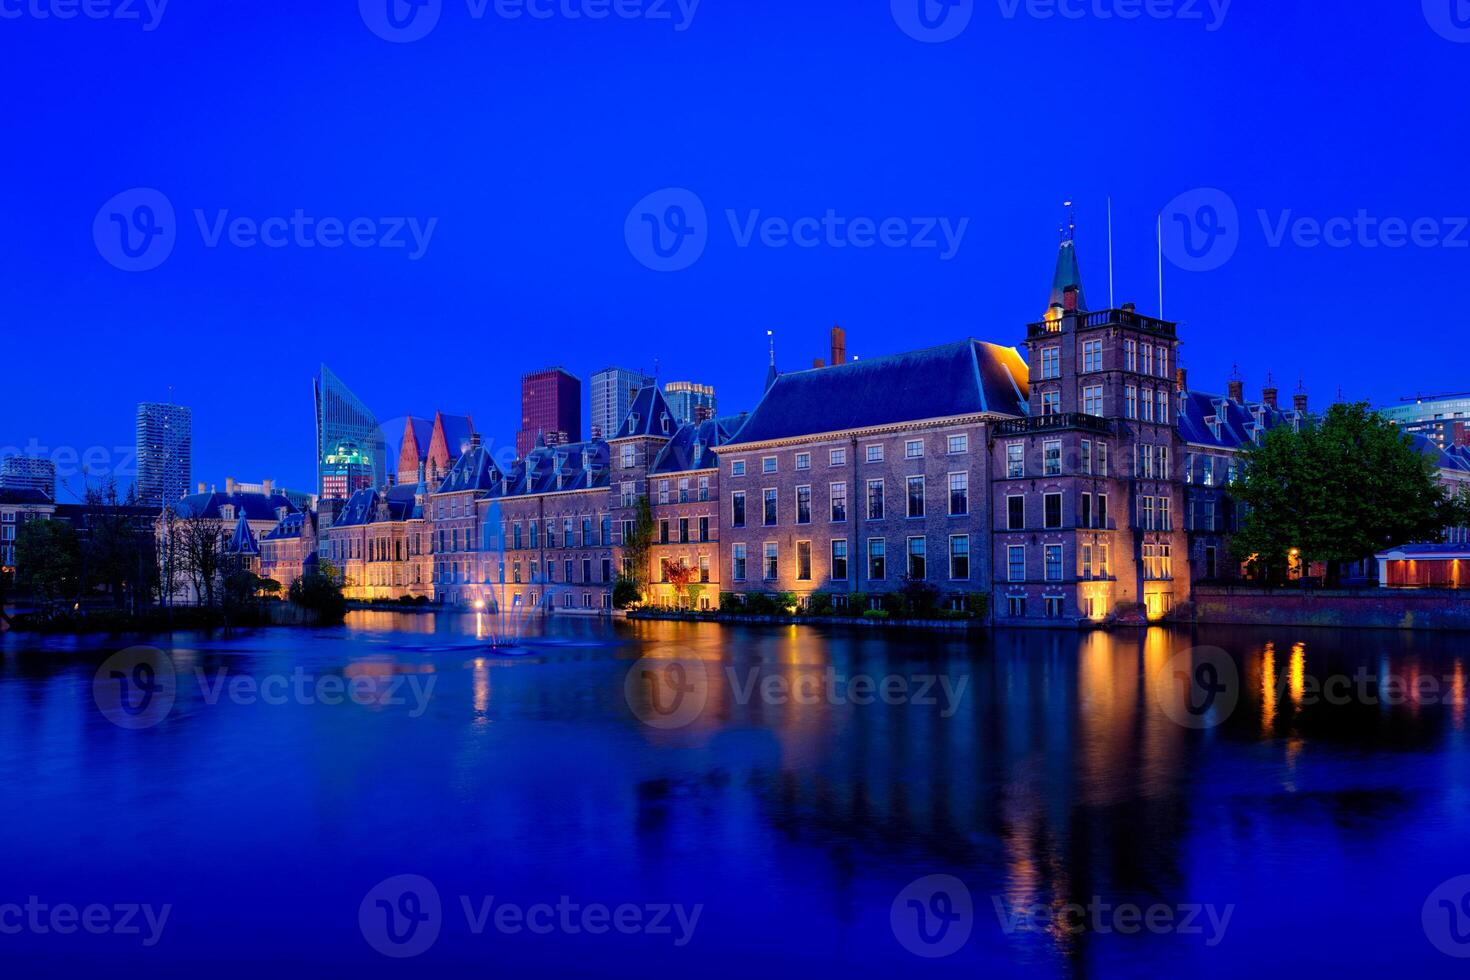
<point>683,578</point>
<point>625,593</point>
<point>47,559</point>
<point>114,547</point>
<point>637,545</point>
<point>201,543</point>
<point>320,592</point>
<point>1338,491</point>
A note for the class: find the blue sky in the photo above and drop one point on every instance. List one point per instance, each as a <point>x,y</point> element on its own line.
<point>519,146</point>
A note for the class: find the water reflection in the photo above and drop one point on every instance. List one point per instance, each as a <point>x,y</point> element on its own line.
<point>1040,767</point>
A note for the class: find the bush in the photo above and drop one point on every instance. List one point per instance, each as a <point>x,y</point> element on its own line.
<point>856,603</point>
<point>977,604</point>
<point>625,593</point>
<point>920,598</point>
<point>786,601</point>
<point>760,604</point>
<point>728,602</point>
<point>821,604</point>
<point>876,614</point>
<point>321,594</point>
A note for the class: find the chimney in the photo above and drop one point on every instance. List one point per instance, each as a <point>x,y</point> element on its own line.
<point>1236,390</point>
<point>1069,299</point>
<point>596,432</point>
<point>839,346</point>
<point>1181,379</point>
<point>201,486</point>
<point>268,486</point>
<point>817,362</point>
<point>1269,393</point>
<point>474,440</point>
<point>703,413</point>
<point>229,484</point>
<point>1299,400</point>
<point>1129,307</point>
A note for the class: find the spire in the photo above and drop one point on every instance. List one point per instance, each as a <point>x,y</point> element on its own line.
<point>1067,276</point>
<point>771,372</point>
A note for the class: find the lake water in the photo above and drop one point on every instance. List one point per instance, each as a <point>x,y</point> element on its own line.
<point>767,801</point>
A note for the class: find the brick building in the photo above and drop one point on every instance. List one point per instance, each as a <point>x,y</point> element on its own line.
<point>551,409</point>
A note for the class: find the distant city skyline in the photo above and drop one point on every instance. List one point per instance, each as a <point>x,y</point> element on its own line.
<point>164,451</point>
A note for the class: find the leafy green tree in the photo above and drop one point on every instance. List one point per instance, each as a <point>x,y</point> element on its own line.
<point>320,592</point>
<point>48,559</point>
<point>1338,491</point>
<point>637,546</point>
<point>625,593</point>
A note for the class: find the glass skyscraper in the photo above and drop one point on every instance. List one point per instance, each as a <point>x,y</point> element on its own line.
<point>343,420</point>
<point>686,398</point>
<point>165,450</point>
<point>613,389</point>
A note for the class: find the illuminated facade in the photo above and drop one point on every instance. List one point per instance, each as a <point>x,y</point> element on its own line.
<point>346,470</point>
<point>342,420</point>
<point>379,545</point>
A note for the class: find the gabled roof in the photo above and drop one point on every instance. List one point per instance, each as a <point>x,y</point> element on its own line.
<point>649,415</point>
<point>550,469</point>
<point>290,526</point>
<point>1452,459</point>
<point>693,445</point>
<point>255,506</point>
<point>451,436</point>
<point>1235,424</point>
<point>417,434</point>
<point>967,377</point>
<point>365,507</point>
<point>475,470</point>
<point>23,495</point>
<point>242,540</point>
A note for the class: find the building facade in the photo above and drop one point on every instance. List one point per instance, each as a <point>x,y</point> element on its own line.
<point>379,544</point>
<point>613,389</point>
<point>165,453</point>
<point>551,409</point>
<point>1443,419</point>
<point>28,473</point>
<point>17,507</point>
<point>690,402</point>
<point>342,420</point>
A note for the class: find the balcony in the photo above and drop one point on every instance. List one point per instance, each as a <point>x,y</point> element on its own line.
<point>1103,318</point>
<point>1054,423</point>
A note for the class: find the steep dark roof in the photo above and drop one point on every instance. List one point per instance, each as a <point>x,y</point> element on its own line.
<point>649,415</point>
<point>679,454</point>
<point>548,469</point>
<point>1236,423</point>
<point>962,378</point>
<point>423,432</point>
<point>1067,274</point>
<point>363,506</point>
<point>288,527</point>
<point>475,470</point>
<point>255,506</point>
<point>242,539</point>
<point>457,432</point>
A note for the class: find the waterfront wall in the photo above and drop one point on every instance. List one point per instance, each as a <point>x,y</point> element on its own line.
<point>1425,609</point>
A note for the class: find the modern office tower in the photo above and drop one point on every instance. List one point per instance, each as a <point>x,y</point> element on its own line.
<point>613,389</point>
<point>686,398</point>
<point>1444,419</point>
<point>29,473</point>
<point>344,422</point>
<point>551,409</point>
<point>165,451</point>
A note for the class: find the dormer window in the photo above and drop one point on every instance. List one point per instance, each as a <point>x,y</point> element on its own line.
<point>664,422</point>
<point>227,512</point>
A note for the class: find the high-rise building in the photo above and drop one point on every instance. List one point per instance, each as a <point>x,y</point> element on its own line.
<point>686,398</point>
<point>165,451</point>
<point>342,420</point>
<point>551,409</point>
<point>1441,419</point>
<point>613,389</point>
<point>29,473</point>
